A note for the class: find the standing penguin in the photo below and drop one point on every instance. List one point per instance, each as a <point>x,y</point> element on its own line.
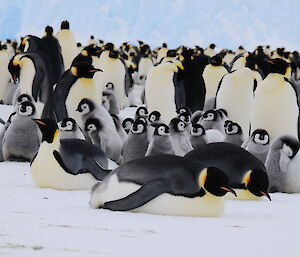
<point>159,85</point>
<point>67,43</point>
<point>145,64</point>
<point>162,53</point>
<point>4,73</point>
<point>275,105</point>
<point>210,50</point>
<point>74,85</point>
<point>258,144</point>
<point>234,134</point>
<point>236,96</point>
<point>282,165</point>
<point>213,119</point>
<point>69,129</point>
<point>22,139</point>
<point>137,142</point>
<point>198,136</point>
<point>113,105</point>
<point>161,142</point>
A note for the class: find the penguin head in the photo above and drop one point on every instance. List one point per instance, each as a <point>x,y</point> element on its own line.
<point>210,115</point>
<point>24,98</point>
<point>177,125</point>
<point>154,116</point>
<point>212,46</point>
<point>257,182</point>
<point>164,45</point>
<point>185,116</point>
<point>65,25</point>
<point>91,50</point>
<point>226,123</point>
<point>79,44</point>
<point>233,128</point>
<point>92,124</point>
<point>260,137</point>
<point>162,130</point>
<point>127,124</point>
<point>139,127</point>
<point>109,86</point>
<point>85,106</point>
<point>48,128</point>
<point>142,111</point>
<point>67,124</point>
<point>49,31</point>
<point>83,70</point>
<point>197,130</point>
<point>114,54</point>
<point>214,181</point>
<point>26,108</point>
<point>14,69</point>
<point>216,60</point>
<point>183,110</point>
<point>109,46</point>
<point>279,66</point>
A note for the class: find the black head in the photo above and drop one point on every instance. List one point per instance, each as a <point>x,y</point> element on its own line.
<point>289,145</point>
<point>162,130</point>
<point>127,124</point>
<point>177,125</point>
<point>142,111</point>
<point>109,86</point>
<point>260,136</point>
<point>49,30</point>
<point>226,123</point>
<point>78,44</point>
<point>26,109</point>
<point>257,182</point>
<point>278,66</point>
<point>233,128</point>
<point>139,127</point>
<point>85,106</point>
<point>185,116</point>
<point>114,54</point>
<point>216,60</point>
<point>83,70</point>
<point>92,37</point>
<point>48,128</point>
<point>210,115</point>
<point>215,181</point>
<point>14,69</point>
<point>65,25</point>
<point>212,46</point>
<point>24,98</point>
<point>93,124</point>
<point>91,50</point>
<point>197,130</point>
<point>164,45</point>
<point>109,46</point>
<point>67,124</point>
<point>241,48</point>
<point>171,53</point>
<point>184,109</point>
<point>154,116</point>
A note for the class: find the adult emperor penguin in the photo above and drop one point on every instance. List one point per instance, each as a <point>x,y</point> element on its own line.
<point>68,128</point>
<point>162,53</point>
<point>282,165</point>
<point>67,164</point>
<point>163,184</point>
<point>22,138</point>
<point>67,43</point>
<point>236,95</point>
<point>246,173</point>
<point>275,106</point>
<point>160,142</point>
<point>74,85</point>
<point>258,144</point>
<point>210,50</point>
<point>145,64</point>
<point>4,73</point>
<point>159,85</point>
<point>212,75</point>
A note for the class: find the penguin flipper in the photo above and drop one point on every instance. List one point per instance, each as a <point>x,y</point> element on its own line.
<point>138,198</point>
<point>36,84</point>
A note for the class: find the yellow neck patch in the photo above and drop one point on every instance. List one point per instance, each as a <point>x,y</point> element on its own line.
<point>84,52</point>
<point>74,71</point>
<point>55,135</point>
<point>202,177</point>
<point>247,178</point>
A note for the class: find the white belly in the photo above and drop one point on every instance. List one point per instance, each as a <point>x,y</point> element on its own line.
<point>47,173</point>
<point>242,195</point>
<point>27,74</point>
<point>4,75</point>
<point>212,76</point>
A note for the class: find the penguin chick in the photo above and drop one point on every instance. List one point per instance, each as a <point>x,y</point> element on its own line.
<point>113,104</point>
<point>198,136</point>
<point>233,134</point>
<point>161,142</point>
<point>127,124</point>
<point>282,165</point>
<point>107,139</point>
<point>154,120</point>
<point>142,111</point>
<point>22,139</point>
<point>213,119</point>
<point>122,133</point>
<point>137,142</point>
<point>196,117</point>
<point>179,138</point>
<point>69,129</point>
<point>258,144</point>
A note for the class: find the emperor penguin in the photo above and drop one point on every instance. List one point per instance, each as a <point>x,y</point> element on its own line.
<point>236,95</point>
<point>275,107</point>
<point>213,119</point>
<point>127,124</point>
<point>145,64</point>
<point>165,185</point>
<point>4,74</point>
<point>137,142</point>
<point>22,138</point>
<point>113,105</point>
<point>212,75</point>
<point>160,142</point>
<point>240,50</point>
<point>67,43</point>
<point>198,136</point>
<point>210,50</point>
<point>234,134</point>
<point>66,164</point>
<point>247,174</point>
<point>74,85</point>
<point>159,85</point>
<point>68,128</point>
<point>106,138</point>
<point>120,130</point>
<point>258,144</point>
<point>162,53</point>
<point>282,165</point>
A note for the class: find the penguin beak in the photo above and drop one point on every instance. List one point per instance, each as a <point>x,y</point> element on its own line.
<point>15,79</point>
<point>266,194</point>
<point>40,122</point>
<point>95,70</point>
<point>228,189</point>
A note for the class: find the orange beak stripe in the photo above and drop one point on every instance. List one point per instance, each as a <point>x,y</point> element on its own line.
<point>40,122</point>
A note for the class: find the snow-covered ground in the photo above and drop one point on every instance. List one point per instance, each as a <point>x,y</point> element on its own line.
<point>46,222</point>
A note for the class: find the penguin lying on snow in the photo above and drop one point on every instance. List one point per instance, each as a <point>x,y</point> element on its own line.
<point>246,173</point>
<point>67,164</point>
<point>163,184</point>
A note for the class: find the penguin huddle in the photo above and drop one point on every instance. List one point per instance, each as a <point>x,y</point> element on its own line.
<point>207,125</point>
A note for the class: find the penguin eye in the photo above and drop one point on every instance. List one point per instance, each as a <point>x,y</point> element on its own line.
<point>91,127</point>
<point>161,130</point>
<point>142,112</point>
<point>209,116</point>
<point>286,149</point>
<point>69,123</point>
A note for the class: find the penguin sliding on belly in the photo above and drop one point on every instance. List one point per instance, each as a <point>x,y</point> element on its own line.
<point>163,184</point>
<point>68,164</point>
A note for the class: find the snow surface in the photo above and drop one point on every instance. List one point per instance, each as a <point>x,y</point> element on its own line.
<point>47,222</point>
<point>225,23</point>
